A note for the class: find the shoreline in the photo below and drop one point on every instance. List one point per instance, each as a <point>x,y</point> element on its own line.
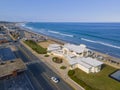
<point>41,34</point>
<point>105,47</point>
<point>112,60</point>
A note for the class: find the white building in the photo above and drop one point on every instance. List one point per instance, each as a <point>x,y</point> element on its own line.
<point>55,49</point>
<point>77,50</point>
<point>74,54</point>
<point>88,65</point>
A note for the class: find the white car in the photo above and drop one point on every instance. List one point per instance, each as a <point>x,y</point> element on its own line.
<point>54,79</point>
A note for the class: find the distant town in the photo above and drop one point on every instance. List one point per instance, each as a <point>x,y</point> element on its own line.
<point>33,61</point>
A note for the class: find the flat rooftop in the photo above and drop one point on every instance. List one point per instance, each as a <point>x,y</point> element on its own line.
<point>52,47</point>
<point>91,61</point>
<point>8,67</point>
<point>6,54</point>
<point>86,62</point>
<point>75,48</point>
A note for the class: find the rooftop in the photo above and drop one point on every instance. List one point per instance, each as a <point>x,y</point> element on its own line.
<point>91,61</point>
<point>75,48</point>
<point>54,47</point>
<point>86,62</point>
<point>8,67</point>
<point>78,61</point>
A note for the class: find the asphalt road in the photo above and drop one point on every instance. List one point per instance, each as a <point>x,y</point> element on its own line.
<point>40,73</point>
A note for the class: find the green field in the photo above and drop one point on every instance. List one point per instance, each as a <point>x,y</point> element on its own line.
<point>96,81</point>
<point>36,47</point>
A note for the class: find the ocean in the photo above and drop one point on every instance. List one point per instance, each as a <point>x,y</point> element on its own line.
<point>102,37</point>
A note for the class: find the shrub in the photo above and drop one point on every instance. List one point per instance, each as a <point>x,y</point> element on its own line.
<point>46,55</point>
<point>63,67</point>
<point>57,60</point>
<point>71,72</point>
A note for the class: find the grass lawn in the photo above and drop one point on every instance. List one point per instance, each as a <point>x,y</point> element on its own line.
<point>36,47</point>
<point>97,81</point>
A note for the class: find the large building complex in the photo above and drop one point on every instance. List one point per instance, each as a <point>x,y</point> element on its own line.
<point>75,55</point>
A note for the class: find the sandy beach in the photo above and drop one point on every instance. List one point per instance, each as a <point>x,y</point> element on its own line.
<point>46,43</point>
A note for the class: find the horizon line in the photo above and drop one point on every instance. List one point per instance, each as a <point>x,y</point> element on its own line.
<point>61,21</point>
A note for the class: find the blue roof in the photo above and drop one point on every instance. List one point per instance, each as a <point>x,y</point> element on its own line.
<point>6,54</point>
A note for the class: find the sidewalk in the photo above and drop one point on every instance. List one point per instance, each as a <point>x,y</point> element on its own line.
<point>56,68</point>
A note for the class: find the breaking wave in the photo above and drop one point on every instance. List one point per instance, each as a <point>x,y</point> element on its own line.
<point>29,28</point>
<point>102,43</point>
<point>63,34</point>
<point>24,25</point>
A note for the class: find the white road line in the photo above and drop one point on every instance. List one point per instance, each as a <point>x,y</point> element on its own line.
<point>29,81</point>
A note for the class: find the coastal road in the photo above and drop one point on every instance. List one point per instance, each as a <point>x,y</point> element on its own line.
<point>40,71</point>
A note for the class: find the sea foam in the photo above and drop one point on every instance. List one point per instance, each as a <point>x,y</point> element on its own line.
<point>102,43</point>
<point>24,25</point>
<point>63,34</point>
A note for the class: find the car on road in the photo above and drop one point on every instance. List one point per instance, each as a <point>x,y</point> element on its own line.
<point>55,79</point>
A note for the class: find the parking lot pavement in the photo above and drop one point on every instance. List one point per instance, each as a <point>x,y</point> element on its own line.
<point>20,82</point>
<point>6,54</point>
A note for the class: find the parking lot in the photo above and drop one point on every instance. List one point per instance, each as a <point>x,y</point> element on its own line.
<point>20,82</point>
<point>6,54</point>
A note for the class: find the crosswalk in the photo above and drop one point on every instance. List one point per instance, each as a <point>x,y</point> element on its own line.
<point>32,62</point>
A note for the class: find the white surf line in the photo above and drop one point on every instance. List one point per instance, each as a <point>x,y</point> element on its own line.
<point>102,43</point>
<point>62,34</point>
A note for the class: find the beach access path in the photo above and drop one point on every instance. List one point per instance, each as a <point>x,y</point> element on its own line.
<point>56,68</point>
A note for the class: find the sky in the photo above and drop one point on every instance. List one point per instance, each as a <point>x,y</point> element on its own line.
<point>60,10</point>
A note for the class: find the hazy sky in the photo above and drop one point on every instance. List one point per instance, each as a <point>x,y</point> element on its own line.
<point>60,10</point>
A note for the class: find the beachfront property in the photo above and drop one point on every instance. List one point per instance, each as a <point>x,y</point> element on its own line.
<point>67,49</point>
<point>88,65</point>
<point>74,50</point>
<point>55,49</point>
<point>75,56</point>
<point>28,35</point>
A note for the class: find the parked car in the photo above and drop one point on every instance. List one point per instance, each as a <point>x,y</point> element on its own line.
<point>55,79</point>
